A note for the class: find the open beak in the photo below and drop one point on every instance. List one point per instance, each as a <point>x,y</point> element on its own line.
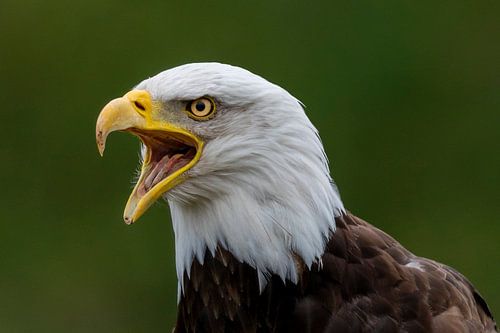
<point>170,150</point>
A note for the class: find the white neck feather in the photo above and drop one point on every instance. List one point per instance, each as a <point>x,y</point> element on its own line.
<point>262,197</point>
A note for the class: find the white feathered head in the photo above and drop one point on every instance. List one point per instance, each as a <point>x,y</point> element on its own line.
<point>239,162</point>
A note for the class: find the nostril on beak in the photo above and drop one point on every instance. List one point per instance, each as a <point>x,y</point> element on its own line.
<point>139,106</point>
<point>140,99</point>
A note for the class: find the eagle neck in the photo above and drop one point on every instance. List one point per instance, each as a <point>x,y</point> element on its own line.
<point>266,234</point>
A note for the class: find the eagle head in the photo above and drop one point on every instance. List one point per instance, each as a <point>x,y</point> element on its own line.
<point>238,161</point>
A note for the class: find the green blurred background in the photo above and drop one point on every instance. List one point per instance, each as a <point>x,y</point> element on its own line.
<point>405,95</point>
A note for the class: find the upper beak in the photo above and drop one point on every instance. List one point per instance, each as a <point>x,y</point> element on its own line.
<point>136,113</point>
<point>122,113</point>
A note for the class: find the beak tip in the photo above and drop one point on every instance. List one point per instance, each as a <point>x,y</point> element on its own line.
<point>101,142</point>
<point>128,220</point>
<point>101,149</point>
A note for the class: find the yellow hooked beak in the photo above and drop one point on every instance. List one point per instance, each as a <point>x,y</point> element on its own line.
<point>170,150</point>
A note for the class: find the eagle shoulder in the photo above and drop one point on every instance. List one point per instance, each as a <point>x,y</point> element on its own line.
<point>368,282</point>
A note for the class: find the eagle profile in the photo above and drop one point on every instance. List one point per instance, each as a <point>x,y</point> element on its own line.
<point>263,242</point>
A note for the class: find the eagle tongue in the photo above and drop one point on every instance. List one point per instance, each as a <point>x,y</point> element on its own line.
<point>157,170</point>
<point>173,161</point>
<point>162,169</point>
<point>172,165</point>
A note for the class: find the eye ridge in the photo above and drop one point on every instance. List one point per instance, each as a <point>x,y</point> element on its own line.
<point>202,108</point>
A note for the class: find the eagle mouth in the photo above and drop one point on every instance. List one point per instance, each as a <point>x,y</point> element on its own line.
<point>170,152</point>
<point>165,154</point>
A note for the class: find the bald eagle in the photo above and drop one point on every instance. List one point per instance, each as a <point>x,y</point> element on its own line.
<point>263,242</point>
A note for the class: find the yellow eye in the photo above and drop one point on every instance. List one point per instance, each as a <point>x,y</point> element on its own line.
<point>201,108</point>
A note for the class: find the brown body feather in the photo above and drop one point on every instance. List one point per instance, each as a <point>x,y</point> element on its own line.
<point>366,282</point>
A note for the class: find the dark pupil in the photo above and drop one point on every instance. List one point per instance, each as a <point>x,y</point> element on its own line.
<point>200,106</point>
